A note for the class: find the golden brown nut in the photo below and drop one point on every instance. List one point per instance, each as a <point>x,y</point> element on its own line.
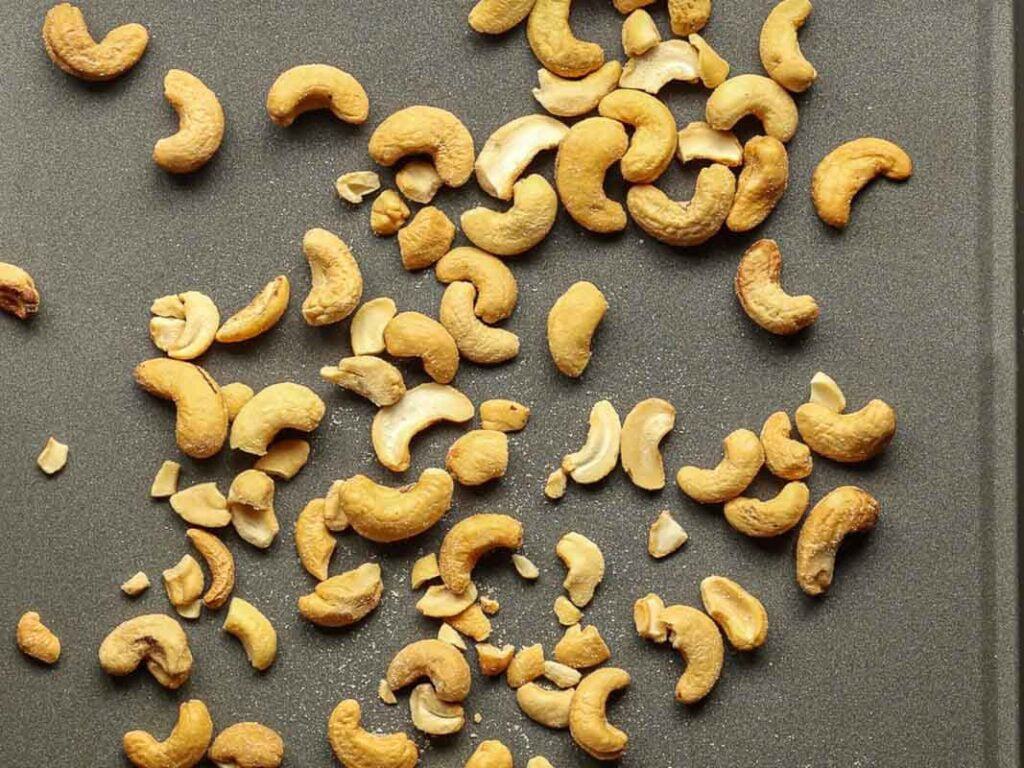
<point>759,290</point>
<point>344,599</point>
<point>844,171</point>
<point>35,639</point>
<point>18,294</point>
<point>247,745</point>
<point>845,510</point>
<point>70,46</point>
<point>422,130</point>
<point>185,746</point>
<point>584,156</point>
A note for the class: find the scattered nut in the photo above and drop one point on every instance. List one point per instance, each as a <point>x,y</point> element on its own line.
<point>334,517</point>
<point>353,186</point>
<point>826,392</point>
<point>495,17</point>
<point>433,716</point>
<point>371,377</point>
<point>70,46</point>
<point>202,504</point>
<point>538,762</point>
<point>740,615</point>
<point>561,675</point>
<point>490,754</point>
<point>386,694</point>
<point>845,510</point>
<point>713,68</point>
<point>337,282</point>
<point>309,87</point>
<point>426,239</point>
<point>440,662</point>
<point>236,394</point>
<point>185,324</point>
<point>439,602</point>
<point>388,214</point>
<point>424,570</point>
<point>489,605</point>
<point>642,432</point>
<point>548,707</point>
<point>448,634</point>
<point>572,98</point>
<point>503,415</point>
<point>845,170</point>
<point>254,631</point>
<point>154,638</point>
<point>521,227</point>
<point>472,622</point>
<point>368,323</point>
<point>647,618</point>
<point>184,585</point>
<point>600,453</point>
<point>184,748</point>
<point>477,342</point>
<point>496,289</point>
<point>737,469</point>
<point>511,148</point>
<point>567,613</point>
<point>554,486</point>
<point>421,130</point>
<point>780,49</point>
<point>219,560</point>
<point>386,515</point>
<point>280,406</point>
<point>554,44</point>
<point>356,748</point>
<point>313,540</point>
<point>697,638</point>
<point>201,124</point>
<point>494,661</point>
<point>418,181</point>
<point>136,585</point>
<point>762,297</point>
<point>53,456</point>
<point>754,95</point>
<point>762,182</point>
<point>654,133</point>
<point>584,156</point>
<point>699,141</point>
<point>581,648</point>
<point>572,322</point>
<point>18,294</point>
<point>659,65</point>
<point>342,600</point>
<point>688,16</point>
<point>284,459</point>
<point>395,426</point>
<point>478,456</point>
<point>687,223</point>
<point>761,519</point>
<point>588,722</point>
<point>469,540</point>
<point>36,640</point>
<point>665,536</point>
<point>847,437</point>
<point>412,334</point>
<point>785,458</point>
<point>202,420</point>
<point>251,504</point>
<point>165,484</point>
<point>247,745</point>
<point>639,33</point>
<point>585,567</point>
<point>526,666</point>
<point>259,315</point>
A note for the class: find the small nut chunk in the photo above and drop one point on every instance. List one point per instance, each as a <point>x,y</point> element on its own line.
<point>665,536</point>
<point>342,600</point>
<point>642,432</point>
<point>572,98</point>
<point>184,748</point>
<point>584,564</point>
<point>386,515</point>
<point>53,456</point>
<point>478,457</point>
<point>495,17</point>
<point>527,665</point>
<point>740,615</point>
<point>699,141</point>
<point>600,453</point>
<point>368,324</point>
<point>825,391</point>
<point>284,459</point>
<point>661,64</point>
<point>685,223</point>
<point>424,570</point>
<point>184,585</point>
<point>512,147</point>
<point>845,170</point>
<point>254,631</point>
<point>561,675</point>
<point>503,415</point>
<point>477,342</point>
<point>422,130</point>
<point>472,622</point>
<point>316,86</point>
<point>753,95</point>
<point>440,662</point>
<point>165,484</point>
<point>201,124</point>
<point>36,640</point>
<point>18,294</point>
<point>697,638</point>
<point>413,334</point>
<point>588,722</point>
<point>418,181</point>
<point>426,239</point>
<point>494,661</point>
<point>539,762</point>
<point>584,156</point>
<point>780,49</point>
<point>639,33</point>
<point>433,716</point>
<point>219,560</point>
<point>572,322</point>
<point>395,426</point>
<point>337,283</point>
<point>554,44</point>
<point>202,504</point>
<point>489,605</point>
<point>554,486</point>
<point>247,745</point>
<point>761,184</point>
<point>785,458</point>
<point>490,754</point>
<point>847,437</point>
<point>313,540</point>
<point>136,585</point>
<point>251,504</point>
<point>567,613</point>
<point>448,634</point>
<point>737,469</point>
<point>371,377</point>
<point>386,694</point>
<point>202,419</point>
<point>439,602</point>
<point>469,540</point>
<point>548,707</point>
<point>334,517</point>
<point>654,139</point>
<point>154,638</point>
<point>236,394</point>
<point>259,315</point>
<point>353,186</point>
<point>521,227</point>
<point>185,324</point>
<point>713,68</point>
<point>758,287</point>
<point>280,406</point>
<point>357,748</point>
<point>496,289</point>
<point>69,45</point>
<point>688,16</point>
<point>762,519</point>
<point>845,510</point>
<point>581,648</point>
<point>525,567</point>
<point>647,618</point>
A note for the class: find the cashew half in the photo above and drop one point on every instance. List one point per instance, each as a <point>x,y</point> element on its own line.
<point>439,602</point>
<point>154,638</point>
<point>386,515</point>
<point>584,156</point>
<point>184,585</point>
<point>490,754</point>
<point>584,564</point>
<point>184,748</point>
<point>496,289</point>
<point>779,47</point>
<point>699,141</point>
<point>503,415</point>
<point>254,631</point>
<point>434,659</point>
<point>185,324</point>
<point>554,44</point>
<point>424,570</point>
<point>753,95</point>
<point>844,171</point>
<point>581,648</point>
<point>688,223</point>
<point>495,17</point>
<point>521,227</point>
<point>342,600</point>
<point>337,281</point>
<point>433,716</point>
<point>713,68</point>
<point>548,707</point>
<point>825,391</point>
<point>845,510</point>
<point>317,86</point>
<point>418,181</point>
<point>221,563</point>
<point>642,432</point>
<point>478,457</point>
<point>259,315</point>
<point>740,615</point>
<point>280,406</point>
<point>847,437</point>
<point>70,46</point>
<point>786,458</point>
<point>600,453</point>
<point>202,504</point>
<point>571,98</point>
<point>426,238</point>
<point>737,469</point>
<point>697,638</point>
<point>371,377</point>
<point>395,426</point>
<point>654,136</point>
<point>469,540</point>
<point>664,62</point>
<point>251,504</point>
<point>368,324</point>
<point>758,287</point>
<point>357,748</point>
<point>527,665</point>
<point>639,33</point>
<point>353,186</point>
<point>588,722</point>
<point>761,184</point>
<point>421,130</point>
<point>566,613</point>
<point>511,148</point>
<point>476,341</point>
<point>36,640</point>
<point>284,459</point>
<point>313,540</point>
<point>762,519</point>
<point>247,745</point>
<point>413,334</point>
<point>572,322</point>
<point>201,124</point>
<point>18,293</point>
<point>202,419</point>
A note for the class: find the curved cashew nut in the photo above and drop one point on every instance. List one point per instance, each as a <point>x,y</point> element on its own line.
<point>740,615</point>
<point>511,148</point>
<point>503,415</point>
<point>435,659</point>
<point>548,707</point>
<point>357,748</point>
<point>371,377</point>
<point>478,457</point>
<point>786,458</point>
<point>847,437</point>
<point>313,540</point>
<point>496,289</point>
<point>490,754</point>
<point>317,86</point>
<point>699,141</point>
<point>581,648</point>
<point>368,324</point>
<point>688,16</point>
<point>584,156</point>
<point>426,238</point>
<point>737,469</point>
<point>259,315</point>
<point>184,748</point>
<point>386,515</point>
<point>433,716</point>
<point>572,322</point>
<point>469,540</point>
<point>280,406</point>
<point>713,68</point>
<point>780,49</point>
<point>35,639</point>
<point>571,98</point>
<point>762,183</point>
<point>495,17</point>
<point>600,453</point>
<point>421,130</point>
<point>762,519</point>
<point>221,563</point>
<point>418,181</point>
<point>413,334</point>
<point>758,287</point>
<point>395,426</point>
<point>584,564</point>
<point>70,46</point>
<point>18,293</point>
<point>344,599</point>
<point>654,137</point>
<point>639,33</point>
<point>337,281</point>
<point>521,227</point>
<point>685,223</point>
<point>254,631</point>
<point>697,638</point>
<point>554,44</point>
<point>247,745</point>
<point>664,62</point>
<point>754,95</point>
<point>235,395</point>
<point>201,124</point>
<point>154,638</point>
<point>185,324</point>
<point>642,432</point>
<point>476,341</point>
<point>845,170</point>
<point>202,419</point>
<point>847,509</point>
<point>588,722</point>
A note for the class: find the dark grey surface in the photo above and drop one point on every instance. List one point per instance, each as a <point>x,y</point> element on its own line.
<point>911,659</point>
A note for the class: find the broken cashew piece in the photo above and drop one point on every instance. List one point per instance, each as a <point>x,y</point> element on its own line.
<point>36,640</point>
<point>561,674</point>
<point>753,95</point>
<point>758,287</point>
<point>439,602</point>
<point>588,722</point>
<point>154,638</point>
<point>699,141</point>
<point>713,68</point>
<point>185,324</point>
<point>761,184</point>
<point>476,341</point>
<point>386,515</point>
<point>661,64</point>
<point>647,619</point>
<point>527,665</point>
<point>469,540</point>
<point>737,469</point>
<point>395,426</point>
<point>496,289</point>
<point>368,376</point>
<point>493,660</point>
<point>426,239</point>
<point>511,148</point>
<point>69,45</point>
<point>581,648</point>
<point>472,622</point>
<point>600,453</point>
<point>571,98</point>
<point>313,540</point>
<point>202,504</point>
<point>435,659</point>
<point>357,748</point>
<point>525,567</point>
<point>247,745</point>
<point>254,631</point>
<point>825,391</point>
<point>136,585</point>
<point>503,415</point>
<point>665,536</point>
<point>450,635</point>
<point>572,322</point>
<point>221,563</point>
<point>697,638</point>
<point>259,315</point>
<point>368,324</point>
<point>567,613</point>
<point>654,133</point>
<point>584,156</point>
<point>584,564</point>
<point>478,457</point>
<point>433,716</point>
<point>422,130</point>
<point>201,124</point>
<point>342,600</point>
<point>53,457</point>
<point>202,418</point>
<point>639,33</point>
<point>779,46</point>
<point>284,459</point>
<point>741,616</point>
<point>521,227</point>
<point>786,458</point>
<point>495,17</point>
<point>554,44</point>
<point>847,437</point>
<point>388,214</point>
<point>418,181</point>
<point>548,707</point>
<point>184,585</point>
<point>642,432</point>
<point>18,293</point>
<point>308,87</point>
<point>280,406</point>
<point>424,570</point>
<point>251,504</point>
<point>490,754</point>
<point>413,334</point>
<point>687,223</point>
<point>555,485</point>
<point>337,282</point>
<point>844,171</point>
<point>353,186</point>
<point>845,510</point>
<point>688,16</point>
<point>184,748</point>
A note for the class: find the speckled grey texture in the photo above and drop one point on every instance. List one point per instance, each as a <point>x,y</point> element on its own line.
<point>910,660</point>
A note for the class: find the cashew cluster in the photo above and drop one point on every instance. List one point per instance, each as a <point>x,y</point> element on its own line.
<point>70,46</point>
<point>185,324</point>
<point>496,289</point>
<point>476,341</point>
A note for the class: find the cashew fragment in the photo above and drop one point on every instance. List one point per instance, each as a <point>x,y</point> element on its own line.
<point>202,504</point>
<point>259,315</point>
<point>688,16</point>
<point>419,181</point>
<point>521,227</point>
<point>254,631</point>
<point>426,239</point>
<point>433,716</point>
<point>490,754</point>
<point>477,342</point>
<point>584,156</point>
<point>219,560</point>
<point>713,68</point>
<point>472,622</point>
<point>251,504</point>
<point>642,433</point>
<point>697,638</point>
<point>247,745</point>
<point>699,141</point>
<point>561,674</point>
<point>687,223</point>
<point>665,536</point>
<point>845,510</point>
<point>337,281</point>
<point>779,47</point>
<point>36,640</point>
<point>582,648</point>
<point>69,45</point>
<point>184,585</point>
<point>284,459</point>
<point>847,437</point>
<point>548,707</point>
<point>184,748</point>
<point>317,86</point>
<point>737,469</point>
<point>439,602</point>
<point>201,124</point>
<point>554,44</point>
<point>495,17</point>
<point>202,419</point>
<point>371,377</point>
<point>424,570</point>
<point>395,426</point>
<point>554,486</point>
<point>572,98</point>
<point>469,540</point>
<point>539,762</point>
<point>844,171</point>
<point>280,406</point>
<point>567,613</point>
<point>588,722</point>
<point>421,130</point>
<point>154,638</point>
<point>368,323</point>
<point>185,324</point>
<point>386,515</point>
<point>353,186</point>
<point>357,748</point>
<point>494,661</point>
<point>761,184</point>
<point>478,456</point>
<point>527,665</point>
<point>165,484</point>
<point>585,567</point>
<point>388,214</point>
<point>441,663</point>
<point>753,95</point>
<point>667,61</point>
<point>236,394</point>
<point>600,453</point>
<point>448,634</point>
<point>342,600</point>
<point>572,322</point>
<point>503,415</point>
<point>384,693</point>
<point>18,293</point>
<point>740,615</point>
<point>413,334</point>
<point>639,33</point>
<point>647,618</point>
<point>825,391</point>
<point>654,137</point>
<point>496,288</point>
<point>786,458</point>
<point>136,585</point>
<point>758,287</point>
<point>313,540</point>
<point>53,457</point>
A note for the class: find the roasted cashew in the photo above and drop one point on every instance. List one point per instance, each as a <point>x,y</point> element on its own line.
<point>386,515</point>
<point>642,432</point>
<point>511,148</point>
<point>538,761</point>
<point>786,458</point>
<point>371,377</point>
<point>844,171</point>
<point>424,570</point>
<point>353,186</point>
<point>136,585</point>
<point>439,602</point>
<point>254,631</point>
<point>36,640</point>
<point>688,223</point>
<point>357,748</point>
<point>647,619</point>
<point>845,510</point>
<point>337,281</point>
<point>184,586</point>
<point>317,86</point>
<point>697,638</point>
<point>251,504</point>
<point>235,395</point>
<point>847,437</point>
<point>70,46</point>
<point>548,707</point>
<point>600,453</point>
<point>572,323</point>
<point>165,484</point>
<point>665,535</point>
<point>313,540</point>
<point>344,599</point>
<point>758,287</point>
<point>639,33</point>
<point>200,128</point>
<point>521,227</point>
<point>654,135</point>
<point>202,419</point>
<point>434,659</point>
<point>418,180</point>
<point>154,638</point>
<point>433,716</point>
<point>450,635</point>
<point>247,745</point>
<point>662,63</point>
<point>688,16</point>
<point>184,748</point>
<point>368,324</point>
<point>495,17</point>
<point>496,289</point>
<point>571,98</point>
<point>584,564</point>
<point>388,213</point>
<point>395,426</point>
<point>334,517</point>
<point>494,661</point>
<point>588,722</point>
<point>825,391</point>
<point>584,156</point>
<point>741,616</point>
<point>754,95</point>
<point>490,754</point>
<point>284,459</point>
<point>469,540</point>
<point>221,563</point>
<point>699,141</point>
<point>761,519</point>
<point>478,457</point>
<point>476,341</point>
<point>53,457</point>
<point>567,613</point>
<point>561,674</point>
<point>779,47</point>
<point>762,183</point>
<point>503,415</point>
<point>554,44</point>
<point>527,665</point>
<point>555,484</point>
<point>202,504</point>
<point>737,469</point>
<point>713,68</point>
<point>421,130</point>
<point>18,293</point>
<point>426,238</point>
<point>259,315</point>
<point>472,622</point>
<point>279,406</point>
<point>185,324</point>
<point>582,648</point>
<point>413,334</point>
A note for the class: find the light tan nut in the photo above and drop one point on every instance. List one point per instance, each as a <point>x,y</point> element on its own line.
<point>521,227</point>
<point>184,585</point>
<point>495,17</point>
<point>18,293</point>
<point>490,754</point>
<point>419,181</point>
<point>388,214</point>
<point>639,33</point>
<point>386,515</point>
<point>353,186</point>
<point>154,638</point>
<point>584,564</point>
<point>421,130</point>
<point>478,456</point>
<point>567,613</point>
<point>642,432</point>
<point>697,638</point>
<point>357,748</point>
<point>424,570</point>
<point>779,47</point>
<point>440,662</point>
<point>511,148</point>
<point>661,64</point>
<point>493,660</point>
<point>759,289</point>
<point>371,377</point>
<point>845,510</point>
<point>762,519</point>
<point>395,426</point>
<point>317,86</point>
<point>342,600</point>
<point>386,694</point>
<point>201,124</point>
<point>539,762</point>
<point>202,420</point>
<point>219,560</point>
<point>413,334</point>
<point>525,567</point>
<point>334,517</point>
<point>737,469</point>
<point>368,323</point>
<point>713,68</point>
<point>785,458</point>
<point>582,648</point>
<point>183,748</point>
<point>825,391</point>
<point>762,183</point>
<point>847,169</point>
<point>685,223</point>
<point>647,618</point>
<point>554,44</point>
<point>561,674</point>
<point>572,323</point>
<point>526,666</point>
<point>548,707</point>
<point>69,45</point>
<point>448,634</point>
<point>53,457</point>
<point>337,282</point>
<point>136,585</point>
<point>741,616</point>
<point>36,640</point>
<point>439,602</point>
<point>251,504</point>
<point>503,415</point>
<point>284,459</point>
<point>571,98</point>
<point>313,540</point>
<point>280,406</point>
<point>202,504</point>
<point>554,486</point>
<point>470,539</point>
<point>600,453</point>
<point>472,622</point>
<point>254,631</point>
<point>753,95</point>
<point>476,341</point>
<point>236,394</point>
<point>665,536</point>
<point>654,133</point>
<point>699,141</point>
<point>426,239</point>
<point>584,156</point>
<point>259,315</point>
<point>165,484</point>
<point>433,716</point>
<point>688,16</point>
<point>185,324</point>
<point>496,288</point>
<point>588,722</point>
<point>247,745</point>
<point>489,605</point>
<point>847,437</point>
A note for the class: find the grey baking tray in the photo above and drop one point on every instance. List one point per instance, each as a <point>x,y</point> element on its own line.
<point>911,660</point>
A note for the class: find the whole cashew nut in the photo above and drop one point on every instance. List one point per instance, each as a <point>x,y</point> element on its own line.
<point>737,469</point>
<point>154,638</point>
<point>584,564</point>
<point>357,748</point>
<point>600,453</point>
<point>70,46</point>
<point>584,156</point>
<point>202,418</point>
<point>571,98</point>
<point>247,745</point>
<point>762,519</point>
<point>740,615</point>
<point>18,293</point>
<point>588,722</point>
<point>754,95</point>
<point>548,707</point>
<point>761,184</point>
<point>368,324</point>
<point>490,754</point>
<point>469,540</point>
<point>786,458</point>
<point>572,323</point>
<point>421,130</point>
<point>317,86</point>
<point>413,334</point>
<point>521,227</point>
<point>435,659</point>
<point>221,563</point>
<point>337,281</point>
<point>476,341</point>
<point>426,238</point>
<point>371,377</point>
<point>697,638</point>
<point>847,437</point>
<point>259,315</point>
<point>280,406</point>
<point>185,324</point>
<point>688,223</point>
<point>201,124</point>
<point>478,457</point>
<point>496,289</point>
<point>313,540</point>
<point>184,748</point>
<point>654,137</point>
<point>342,600</point>
<point>758,287</point>
<point>667,61</point>
<point>36,640</point>
<point>511,148</point>
<point>845,510</point>
<point>844,171</point>
<point>779,47</point>
<point>254,631</point>
<point>642,432</point>
<point>495,17</point>
<point>386,515</point>
<point>395,426</point>
<point>554,44</point>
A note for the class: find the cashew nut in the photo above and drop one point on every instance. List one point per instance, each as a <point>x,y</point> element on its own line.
<point>184,585</point>
<point>279,406</point>
<point>219,560</point>
<point>431,658</point>
<point>70,46</point>
<point>753,517</point>
<point>521,227</point>
<point>317,86</point>
<point>200,128</point>
<point>496,288</point>
<point>368,323</point>
<point>447,633</point>
<point>753,95</point>
<point>439,602</point>
<point>494,661</point>
<point>567,613</point>
<point>561,674</point>
<point>254,631</point>
<point>251,504</point>
<point>740,615</point>
<point>53,457</point>
<point>554,486</point>
<point>334,517</point>
<point>713,68</point>
<point>490,754</point>
<point>476,341</point>
<point>165,483</point>
<point>284,459</point>
<point>786,458</point>
<point>395,426</point>
<point>697,638</point>
<point>344,599</point>
<point>554,44</point>
<point>18,293</point>
<point>202,420</point>
<point>357,748</point>
<point>844,171</point>
<point>36,640</point>
<point>236,394</point>
<point>421,130</point>
<point>371,377</point>
<point>600,453</point>
<point>762,182</point>
<point>699,141</point>
<point>847,437</point>
<point>313,540</point>
<point>353,186</point>
<point>503,415</point>
<point>685,223</point>
<point>136,585</point>
<point>571,98</point>
<point>154,638</point>
<point>202,504</point>
<point>469,540</point>
<point>433,716</point>
<point>758,287</point>
<point>247,745</point>
<point>584,564</point>
<point>413,334</point>
<point>495,17</point>
<point>539,762</point>
<point>472,622</point>
<point>386,515</point>
<point>665,536</point>
<point>524,567</point>
<point>184,748</point>
<point>668,60</point>
<point>737,469</point>
<point>584,156</point>
<point>825,391</point>
<point>337,281</point>
<point>572,322</point>
<point>845,510</point>
<point>426,239</point>
<point>639,33</point>
<point>779,47</point>
<point>388,213</point>
<point>642,433</point>
<point>185,324</point>
<point>424,570</point>
<point>418,180</point>
<point>654,136</point>
<point>588,722</point>
<point>478,456</point>
<point>526,666</point>
<point>647,618</point>
<point>548,707</point>
<point>259,315</point>
<point>582,648</point>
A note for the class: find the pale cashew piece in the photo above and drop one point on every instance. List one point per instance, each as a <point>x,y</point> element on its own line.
<point>236,394</point>
<point>251,504</point>
<point>688,16</point>
<point>353,186</point>
<point>386,515</point>
<point>357,748</point>
<point>334,517</point>
<point>343,600</point>
<point>847,437</point>
<point>665,536</point>
<point>280,406</point>
<point>539,762</point>
<point>584,563</point>
<point>337,282</point>
<point>259,315</point>
<point>667,61</point>
<point>165,484</point>
<point>472,622</point>
<point>561,674</point>
<point>439,602</point>
<point>845,510</point>
<point>737,469</point>
<point>221,563</point>
<point>421,130</point>
<point>588,722</point>
<point>761,184</point>
<point>521,227</point>
<point>395,426</point>
<point>844,171</point>
<point>572,323</point>
<point>185,324</point>
<point>371,377</point>
<point>753,95</point>
<point>476,341</point>
<point>554,44</point>
<point>313,540</point>
<point>582,648</point>
<point>825,391</point>
<point>53,457</point>
<point>154,638</point>
<point>642,432</point>
<point>201,124</point>
<point>202,504</point>
<point>136,585</point>
<point>786,458</point>
<point>526,666</point>
<point>18,293</point>
<point>584,156</point>
<point>184,584</point>
<point>496,289</point>
<point>388,214</point>
<point>478,457</point>
<point>36,640</point>
<point>448,634</point>
<point>69,45</point>
<point>413,334</point>
<point>285,459</point>
<point>426,239</point>
<point>419,181</point>
<point>384,693</point>
<point>555,485</point>
<point>184,748</point>
<point>424,570</point>
<point>758,287</point>
<point>493,660</point>
<point>368,323</point>
<point>567,613</point>
<point>433,716</point>
<point>714,70</point>
<point>247,745</point>
<point>571,98</point>
<point>685,223</point>
<point>548,707</point>
<point>697,638</point>
<point>503,415</point>
<point>511,148</point>
<point>202,418</point>
<point>741,616</point>
<point>307,87</point>
<point>495,17</point>
<point>762,519</point>
<point>469,540</point>
<point>431,658</point>
<point>639,33</point>
<point>490,754</point>
<point>699,141</point>
<point>654,136</point>
<point>600,453</point>
<point>647,619</point>
<point>254,631</point>
<point>779,47</point>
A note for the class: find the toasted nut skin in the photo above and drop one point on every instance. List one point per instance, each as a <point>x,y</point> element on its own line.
<point>697,638</point>
<point>371,377</point>
<point>761,184</point>
<point>754,95</point>
<point>713,68</point>
<point>600,453</point>
<point>478,457</point>
<point>527,665</point>
<point>202,420</point>
<point>688,223</point>
<point>786,458</point>
<point>426,239</point>
<point>388,214</point>
<point>548,707</point>
<point>758,287</point>
<point>422,130</point>
<point>521,227</point>
<point>386,515</point>
<point>236,394</point>
<point>847,437</point>
<point>572,98</point>
<point>665,535</point>
<point>368,323</point>
<point>737,469</point>
<point>353,186</point>
<point>342,600</point>
<point>317,86</point>
<point>780,49</point>
<point>53,457</point>
<point>844,171</point>
<point>494,661</point>
<point>654,137</point>
<point>184,748</point>
<point>259,315</point>
<point>356,748</point>
<point>845,510</point>
<point>503,415</point>
<point>439,602</point>
<point>154,638</point>
<point>688,16</point>
<point>699,141</point>
<point>434,659</point>
<point>70,46</point>
<point>495,17</point>
<point>424,570</point>
<point>584,156</point>
<point>313,540</point>
<point>664,62</point>
<point>280,406</point>
<point>201,124</point>
<point>472,622</point>
<point>740,615</point>
<point>469,540</point>
<point>184,585</point>
<point>221,563</point>
<point>247,745</point>
<point>18,293</point>
<point>202,504</point>
<point>762,519</point>
<point>582,648</point>
<point>511,148</point>
<point>567,613</point>
<point>639,33</point>
<point>337,281</point>
<point>433,716</point>
<point>413,334</point>
<point>186,324</point>
<point>476,341</point>
<point>588,723</point>
<point>554,44</point>
<point>572,322</point>
<point>496,288</point>
<point>285,459</point>
<point>36,640</point>
<point>490,754</point>
<point>585,565</point>
<point>254,631</point>
<point>395,426</point>
<point>642,432</point>
<point>418,180</point>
